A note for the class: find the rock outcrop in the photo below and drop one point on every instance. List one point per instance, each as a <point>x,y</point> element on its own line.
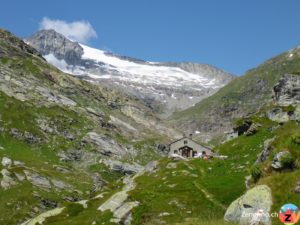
<point>287,91</point>
<point>252,207</point>
<point>266,151</point>
<point>276,163</point>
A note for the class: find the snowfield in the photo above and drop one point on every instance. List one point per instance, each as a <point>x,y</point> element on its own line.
<point>145,73</point>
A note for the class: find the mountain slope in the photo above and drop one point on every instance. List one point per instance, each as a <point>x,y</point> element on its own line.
<point>63,139</point>
<point>165,87</point>
<point>199,192</point>
<point>241,97</point>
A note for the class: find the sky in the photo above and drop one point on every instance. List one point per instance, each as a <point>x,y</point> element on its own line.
<point>234,35</point>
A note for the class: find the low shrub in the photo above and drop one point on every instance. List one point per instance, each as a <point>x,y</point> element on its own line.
<point>255,172</point>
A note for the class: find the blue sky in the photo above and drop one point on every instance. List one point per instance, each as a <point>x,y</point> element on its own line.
<point>234,35</point>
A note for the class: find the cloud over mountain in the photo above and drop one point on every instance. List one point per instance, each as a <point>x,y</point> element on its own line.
<point>81,31</point>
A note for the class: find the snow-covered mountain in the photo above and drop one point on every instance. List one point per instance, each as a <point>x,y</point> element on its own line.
<point>165,87</point>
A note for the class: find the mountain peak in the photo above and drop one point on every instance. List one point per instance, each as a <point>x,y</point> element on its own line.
<point>166,86</point>
<point>51,42</point>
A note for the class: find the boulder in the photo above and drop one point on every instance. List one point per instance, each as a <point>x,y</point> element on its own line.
<point>278,115</point>
<point>151,167</point>
<point>37,180</point>
<point>122,167</point>
<point>252,129</point>
<point>252,207</point>
<point>276,164</point>
<point>6,162</point>
<point>7,181</point>
<point>123,211</point>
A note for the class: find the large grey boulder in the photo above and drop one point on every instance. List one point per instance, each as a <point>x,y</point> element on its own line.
<point>278,115</point>
<point>252,207</point>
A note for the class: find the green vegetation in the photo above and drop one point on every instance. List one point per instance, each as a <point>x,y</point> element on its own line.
<point>198,188</point>
<point>288,161</point>
<point>255,172</point>
<point>38,129</point>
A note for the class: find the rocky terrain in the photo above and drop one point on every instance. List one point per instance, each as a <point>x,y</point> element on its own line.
<point>63,139</point>
<point>259,162</point>
<point>78,152</point>
<point>245,95</point>
<point>164,87</point>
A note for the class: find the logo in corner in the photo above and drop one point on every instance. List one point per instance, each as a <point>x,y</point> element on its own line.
<point>289,214</point>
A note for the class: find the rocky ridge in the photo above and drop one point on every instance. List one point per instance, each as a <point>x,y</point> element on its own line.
<point>164,87</point>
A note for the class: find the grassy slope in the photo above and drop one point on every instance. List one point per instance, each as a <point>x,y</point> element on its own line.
<point>41,157</point>
<point>222,180</point>
<point>18,202</point>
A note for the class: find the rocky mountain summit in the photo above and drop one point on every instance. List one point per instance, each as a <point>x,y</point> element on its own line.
<point>165,87</point>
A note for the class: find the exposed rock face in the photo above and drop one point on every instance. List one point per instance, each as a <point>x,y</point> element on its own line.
<point>60,46</point>
<point>251,207</point>
<point>287,91</point>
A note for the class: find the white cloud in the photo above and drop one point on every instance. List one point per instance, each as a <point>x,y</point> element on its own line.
<point>80,31</point>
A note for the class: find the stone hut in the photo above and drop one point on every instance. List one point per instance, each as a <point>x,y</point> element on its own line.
<point>188,148</point>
